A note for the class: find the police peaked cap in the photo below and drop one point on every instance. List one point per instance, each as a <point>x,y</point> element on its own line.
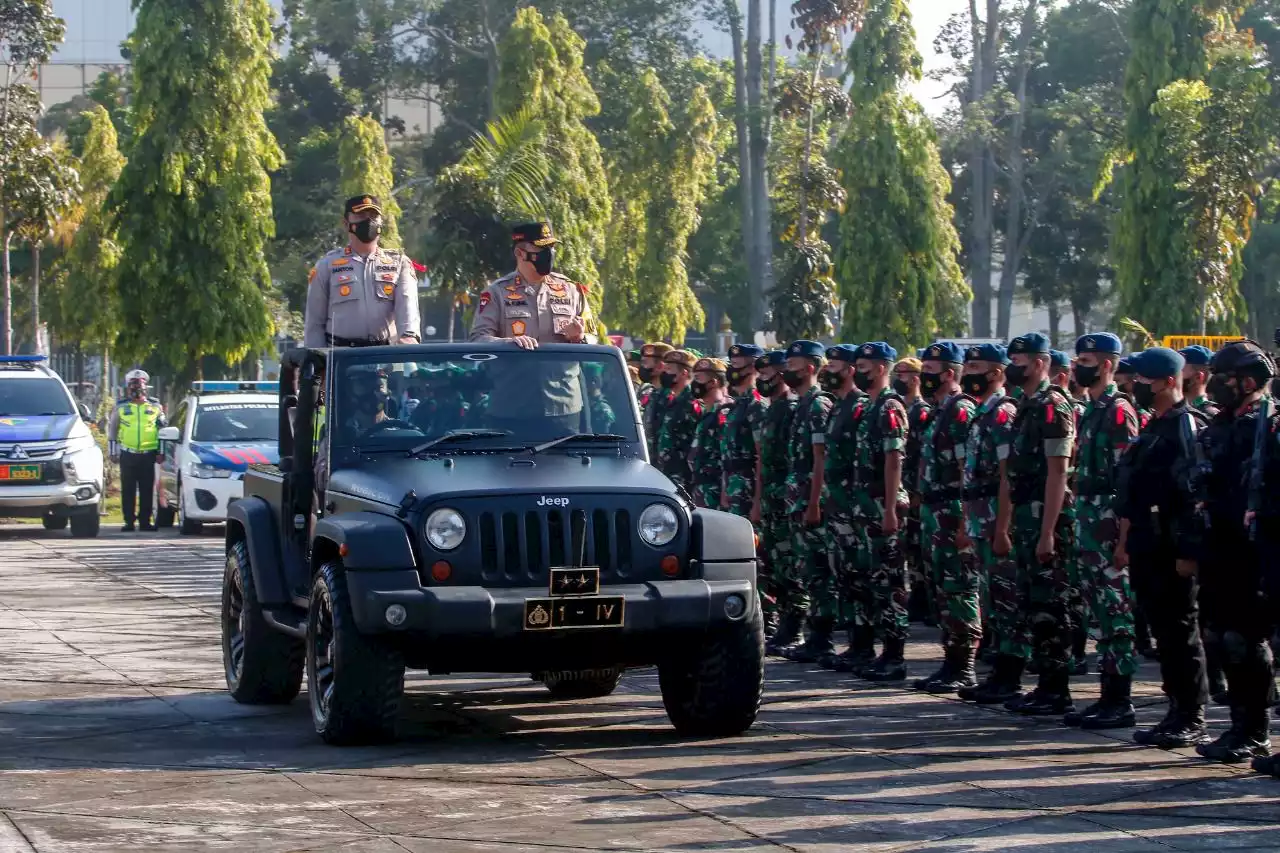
<point>944,351</point>
<point>1242,357</point>
<point>848,353</point>
<point>1158,363</point>
<point>362,203</point>
<point>1102,343</point>
<point>745,351</point>
<point>773,358</point>
<point>806,349</point>
<point>539,234</point>
<point>994,353</point>
<point>1197,356</point>
<point>1058,358</point>
<point>1032,343</point>
<point>877,350</point>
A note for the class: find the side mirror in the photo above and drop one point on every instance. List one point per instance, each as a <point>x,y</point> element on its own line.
<point>169,434</point>
<point>85,414</point>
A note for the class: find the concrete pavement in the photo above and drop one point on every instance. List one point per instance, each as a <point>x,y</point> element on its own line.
<point>116,735</point>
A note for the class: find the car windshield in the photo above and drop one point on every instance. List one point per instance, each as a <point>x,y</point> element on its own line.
<point>43,396</point>
<point>236,422</point>
<point>500,399</point>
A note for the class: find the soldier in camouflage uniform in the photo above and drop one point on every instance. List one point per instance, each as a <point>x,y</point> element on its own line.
<point>740,439</point>
<point>785,587</point>
<point>906,384</point>
<point>1060,376</point>
<point>1108,427</point>
<point>708,387</point>
<point>680,420</point>
<point>602,415</point>
<point>955,581</point>
<point>838,504</point>
<point>653,398</point>
<point>1032,524</point>
<point>806,450</point>
<point>881,441</point>
<point>988,445</point>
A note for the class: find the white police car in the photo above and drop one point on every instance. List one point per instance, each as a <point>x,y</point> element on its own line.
<point>50,464</point>
<point>215,434</point>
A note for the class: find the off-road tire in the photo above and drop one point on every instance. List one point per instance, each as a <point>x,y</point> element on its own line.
<point>54,522</point>
<point>714,689</point>
<point>262,665</point>
<point>85,525</point>
<point>356,683</point>
<point>582,684</point>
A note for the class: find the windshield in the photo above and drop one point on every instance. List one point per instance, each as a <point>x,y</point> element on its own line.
<point>236,422</point>
<point>514,399</point>
<point>44,396</point>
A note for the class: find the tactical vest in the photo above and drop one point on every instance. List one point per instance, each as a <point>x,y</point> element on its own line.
<point>139,427</point>
<point>1103,481</point>
<point>1025,468</point>
<point>986,482</point>
<point>803,420</point>
<point>738,436</point>
<point>872,479</point>
<point>948,486</point>
<point>773,450</point>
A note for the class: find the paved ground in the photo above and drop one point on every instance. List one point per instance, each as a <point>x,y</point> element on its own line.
<point>115,735</point>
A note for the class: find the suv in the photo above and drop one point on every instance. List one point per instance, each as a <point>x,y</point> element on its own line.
<point>215,434</point>
<point>506,520</point>
<point>50,463</point>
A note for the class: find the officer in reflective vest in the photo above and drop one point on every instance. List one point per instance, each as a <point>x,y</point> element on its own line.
<point>134,442</point>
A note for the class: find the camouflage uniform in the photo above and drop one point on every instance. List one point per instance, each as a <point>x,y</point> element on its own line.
<point>881,429</point>
<point>705,458</point>
<point>809,428</point>
<point>1108,427</point>
<point>655,404</point>
<point>743,433</point>
<point>1044,427</point>
<point>955,581</point>
<point>839,501</point>
<point>988,443</point>
<point>775,533</point>
<point>914,552</point>
<point>602,416</point>
<point>678,426</point>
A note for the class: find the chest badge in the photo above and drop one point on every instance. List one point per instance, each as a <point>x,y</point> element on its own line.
<point>388,289</point>
<point>518,327</point>
<point>345,290</point>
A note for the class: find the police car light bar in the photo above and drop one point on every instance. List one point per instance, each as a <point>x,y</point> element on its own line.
<point>213,387</point>
<point>22,359</point>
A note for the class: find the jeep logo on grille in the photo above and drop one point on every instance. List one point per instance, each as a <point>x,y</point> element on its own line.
<point>549,501</point>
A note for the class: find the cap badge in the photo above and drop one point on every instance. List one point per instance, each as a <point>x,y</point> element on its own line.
<point>1088,343</point>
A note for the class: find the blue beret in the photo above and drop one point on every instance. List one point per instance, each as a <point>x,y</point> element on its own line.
<point>943,351</point>
<point>878,350</point>
<point>843,352</point>
<point>1197,355</point>
<point>806,349</point>
<point>1125,365</point>
<point>920,353</point>
<point>745,351</point>
<point>1058,358</point>
<point>987,352</point>
<point>1032,343</point>
<point>1158,363</point>
<point>773,358</point>
<point>1103,343</point>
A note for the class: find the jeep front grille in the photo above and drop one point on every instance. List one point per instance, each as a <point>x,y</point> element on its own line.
<point>523,546</point>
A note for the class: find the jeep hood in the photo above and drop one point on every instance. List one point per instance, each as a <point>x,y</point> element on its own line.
<point>388,477</point>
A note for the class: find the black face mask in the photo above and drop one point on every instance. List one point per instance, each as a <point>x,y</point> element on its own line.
<point>1016,374</point>
<point>863,380</point>
<point>930,383</point>
<point>667,380</point>
<point>1086,374</point>
<point>831,382</point>
<point>767,386</point>
<point>1144,395</point>
<point>541,259</point>
<point>366,230</point>
<point>738,375</point>
<point>699,389</point>
<point>1223,393</point>
<point>794,378</point>
<point>976,384</point>
<point>901,387</point>
<point>646,374</point>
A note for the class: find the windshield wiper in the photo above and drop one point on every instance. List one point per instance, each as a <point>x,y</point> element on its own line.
<point>579,436</point>
<point>458,435</point>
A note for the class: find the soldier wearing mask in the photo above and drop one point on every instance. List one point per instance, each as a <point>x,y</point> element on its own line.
<point>709,387</point>
<point>787,589</point>
<point>740,440</point>
<point>654,399</point>
<point>681,418</point>
<point>1060,375</point>
<point>906,384</point>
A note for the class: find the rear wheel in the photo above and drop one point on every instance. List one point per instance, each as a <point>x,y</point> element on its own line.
<point>354,681</point>
<point>582,684</point>
<point>86,525</point>
<point>54,522</point>
<point>263,666</point>
<point>714,689</point>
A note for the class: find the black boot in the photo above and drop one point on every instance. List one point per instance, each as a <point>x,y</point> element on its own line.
<point>891,665</point>
<point>818,644</point>
<point>1076,718</point>
<point>787,634</point>
<point>1181,728</point>
<point>1116,711</point>
<point>770,624</point>
<point>942,673</point>
<point>1050,698</point>
<point>1269,766</point>
<point>1245,740</point>
<point>1002,684</point>
<point>960,661</point>
<point>861,652</point>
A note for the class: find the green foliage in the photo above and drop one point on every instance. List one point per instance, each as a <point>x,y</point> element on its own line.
<point>194,199</point>
<point>110,90</point>
<point>805,294</point>
<point>366,167</point>
<point>896,261</point>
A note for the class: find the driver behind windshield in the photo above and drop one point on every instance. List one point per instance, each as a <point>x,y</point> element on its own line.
<point>442,406</point>
<point>360,406</point>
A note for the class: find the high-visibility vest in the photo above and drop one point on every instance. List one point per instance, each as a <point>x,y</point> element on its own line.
<point>315,432</point>
<point>139,427</point>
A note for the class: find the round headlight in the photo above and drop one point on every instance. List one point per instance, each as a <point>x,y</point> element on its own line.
<point>445,529</point>
<point>658,525</point>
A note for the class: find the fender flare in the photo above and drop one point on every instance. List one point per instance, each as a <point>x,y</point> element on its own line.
<point>253,515</point>
<point>374,542</point>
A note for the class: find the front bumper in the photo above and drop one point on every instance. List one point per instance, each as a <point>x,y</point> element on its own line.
<point>37,500</point>
<point>206,500</point>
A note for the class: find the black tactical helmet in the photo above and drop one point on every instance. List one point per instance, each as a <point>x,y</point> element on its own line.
<point>1243,358</point>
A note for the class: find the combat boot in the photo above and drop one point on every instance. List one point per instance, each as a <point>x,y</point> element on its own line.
<point>1180,728</point>
<point>960,659</point>
<point>942,673</point>
<point>1076,718</point>
<point>1269,766</point>
<point>1115,710</point>
<point>786,635</point>
<point>818,644</point>
<point>770,624</point>
<point>861,652</point>
<point>1245,740</point>
<point>1003,683</point>
<point>892,663</point>
<point>1050,698</point>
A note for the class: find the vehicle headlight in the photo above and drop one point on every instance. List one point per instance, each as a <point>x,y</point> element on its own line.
<point>445,529</point>
<point>83,462</point>
<point>658,525</point>
<point>209,472</point>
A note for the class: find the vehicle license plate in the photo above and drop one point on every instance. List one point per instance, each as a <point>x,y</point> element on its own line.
<point>550,614</point>
<point>19,472</point>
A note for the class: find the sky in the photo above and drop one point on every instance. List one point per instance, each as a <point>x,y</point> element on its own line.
<point>929,16</point>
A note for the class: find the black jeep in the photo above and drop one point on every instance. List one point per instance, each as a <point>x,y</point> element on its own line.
<point>479,508</point>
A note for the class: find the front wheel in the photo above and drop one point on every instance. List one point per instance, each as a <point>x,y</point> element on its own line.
<point>262,665</point>
<point>355,682</point>
<point>86,525</point>
<point>582,684</point>
<point>54,522</point>
<point>714,689</point>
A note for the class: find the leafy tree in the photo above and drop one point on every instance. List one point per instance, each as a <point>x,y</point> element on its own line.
<point>896,261</point>
<point>194,199</point>
<point>367,168</point>
<point>110,89</point>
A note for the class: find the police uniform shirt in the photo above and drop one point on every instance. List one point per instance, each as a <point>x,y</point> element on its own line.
<point>511,307</point>
<point>362,299</point>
